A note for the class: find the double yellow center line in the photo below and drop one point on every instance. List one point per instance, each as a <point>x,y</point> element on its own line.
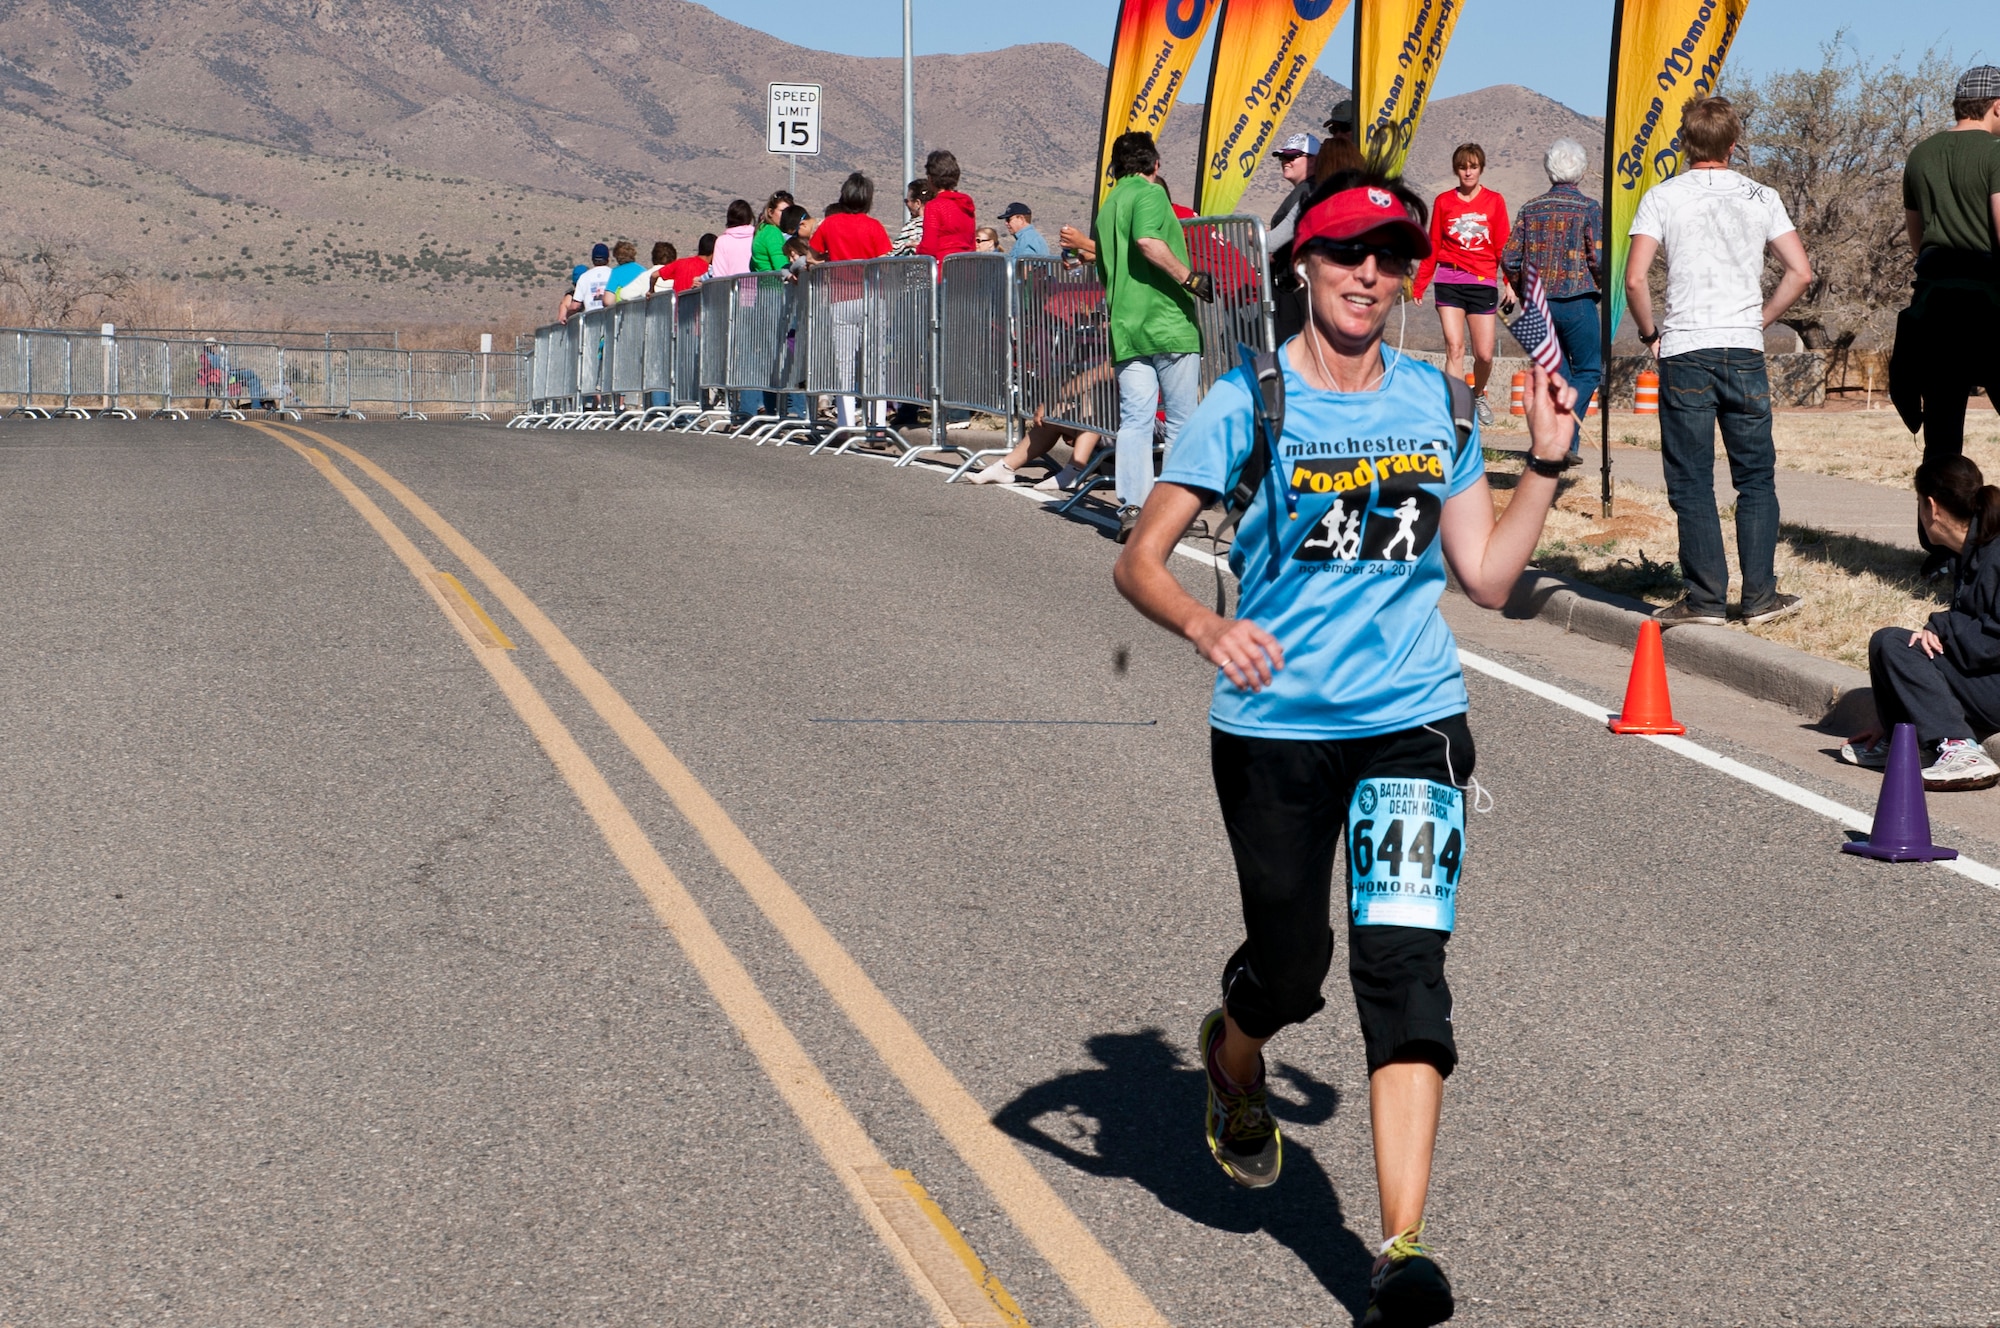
<point>940,1265</point>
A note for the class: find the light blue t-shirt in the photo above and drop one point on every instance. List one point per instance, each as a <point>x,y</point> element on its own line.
<point>1358,573</point>
<point>1028,243</point>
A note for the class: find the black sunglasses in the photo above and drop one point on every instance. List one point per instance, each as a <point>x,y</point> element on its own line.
<point>1353,253</point>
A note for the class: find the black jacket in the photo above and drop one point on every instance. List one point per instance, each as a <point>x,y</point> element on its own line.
<point>1970,628</point>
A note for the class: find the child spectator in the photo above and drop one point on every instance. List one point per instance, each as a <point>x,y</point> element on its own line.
<point>683,273</point>
<point>949,218</point>
<point>920,193</point>
<point>732,247</point>
<point>630,279</point>
<point>664,257</point>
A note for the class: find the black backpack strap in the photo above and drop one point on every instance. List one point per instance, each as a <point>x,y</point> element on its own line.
<point>1267,423</point>
<point>1458,393</point>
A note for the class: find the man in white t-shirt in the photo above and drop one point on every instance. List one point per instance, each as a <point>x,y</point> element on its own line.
<point>1714,226</point>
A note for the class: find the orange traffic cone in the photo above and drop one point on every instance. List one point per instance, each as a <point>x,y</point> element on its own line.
<point>1648,708</point>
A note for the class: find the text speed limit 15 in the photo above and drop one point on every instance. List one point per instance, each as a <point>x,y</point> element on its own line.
<point>793,125</point>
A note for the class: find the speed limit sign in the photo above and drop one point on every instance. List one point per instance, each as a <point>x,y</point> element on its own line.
<point>794,124</point>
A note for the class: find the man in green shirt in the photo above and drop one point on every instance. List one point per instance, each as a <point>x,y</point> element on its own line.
<point>1149,291</point>
<point>1944,340</point>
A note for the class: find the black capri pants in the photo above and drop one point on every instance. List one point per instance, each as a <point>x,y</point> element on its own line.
<point>1285,804</point>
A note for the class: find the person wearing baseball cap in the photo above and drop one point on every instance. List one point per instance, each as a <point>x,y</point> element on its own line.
<point>1951,202</point>
<point>1296,157</point>
<point>1339,709</point>
<point>1020,222</point>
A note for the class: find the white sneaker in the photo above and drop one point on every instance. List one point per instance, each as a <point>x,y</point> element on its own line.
<point>997,473</point>
<point>1063,481</point>
<point>1869,756</point>
<point>1961,764</point>
<point>1485,410</point>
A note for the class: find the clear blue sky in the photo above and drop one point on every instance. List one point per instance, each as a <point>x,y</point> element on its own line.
<point>1557,47</point>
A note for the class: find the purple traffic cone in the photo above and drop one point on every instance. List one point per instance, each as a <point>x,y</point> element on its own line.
<point>1902,829</point>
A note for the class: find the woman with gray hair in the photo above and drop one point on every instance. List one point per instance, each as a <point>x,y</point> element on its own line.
<point>1562,234</point>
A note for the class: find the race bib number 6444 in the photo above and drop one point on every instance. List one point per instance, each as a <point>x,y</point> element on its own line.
<point>1405,844</point>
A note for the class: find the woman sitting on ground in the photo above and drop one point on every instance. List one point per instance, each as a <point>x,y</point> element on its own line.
<point>1945,677</point>
<point>1037,443</point>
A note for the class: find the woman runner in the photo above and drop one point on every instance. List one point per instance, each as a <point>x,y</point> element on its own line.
<point>1339,709</point>
<point>1468,231</point>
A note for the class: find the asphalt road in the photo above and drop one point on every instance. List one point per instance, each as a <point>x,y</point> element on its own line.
<point>327,999</point>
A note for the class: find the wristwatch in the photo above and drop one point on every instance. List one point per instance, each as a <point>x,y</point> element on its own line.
<point>1645,340</point>
<point>1552,469</point>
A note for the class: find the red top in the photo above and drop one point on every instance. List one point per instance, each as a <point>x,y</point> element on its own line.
<point>1181,212</point>
<point>846,236</point>
<point>682,272</point>
<point>948,225</point>
<point>1467,233</point>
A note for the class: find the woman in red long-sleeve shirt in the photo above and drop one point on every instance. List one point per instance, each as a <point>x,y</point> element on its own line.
<point>1468,231</point>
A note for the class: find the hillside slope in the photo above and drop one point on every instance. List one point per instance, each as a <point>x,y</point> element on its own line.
<point>366,160</point>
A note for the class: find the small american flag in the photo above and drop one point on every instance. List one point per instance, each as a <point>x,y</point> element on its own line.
<point>1533,327</point>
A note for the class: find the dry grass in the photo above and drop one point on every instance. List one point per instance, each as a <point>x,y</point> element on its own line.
<point>1845,440</point>
<point>1850,586</point>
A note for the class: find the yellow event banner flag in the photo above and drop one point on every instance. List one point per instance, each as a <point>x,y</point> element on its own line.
<point>1263,51</point>
<point>1398,46</point>
<point>1155,44</point>
<point>1662,53</point>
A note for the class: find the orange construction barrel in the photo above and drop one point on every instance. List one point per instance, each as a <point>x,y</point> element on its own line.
<point>1517,403</point>
<point>1646,397</point>
<point>1591,408</point>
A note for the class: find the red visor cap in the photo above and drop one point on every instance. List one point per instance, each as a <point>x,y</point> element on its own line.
<point>1353,213</point>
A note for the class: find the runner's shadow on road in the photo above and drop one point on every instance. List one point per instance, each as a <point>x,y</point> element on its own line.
<point>1139,1117</point>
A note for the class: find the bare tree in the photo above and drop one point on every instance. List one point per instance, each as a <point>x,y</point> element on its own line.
<point>1832,141</point>
<point>54,284</point>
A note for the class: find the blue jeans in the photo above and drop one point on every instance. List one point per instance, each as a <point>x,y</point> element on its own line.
<point>1143,382</point>
<point>1578,331</point>
<point>1698,390</point>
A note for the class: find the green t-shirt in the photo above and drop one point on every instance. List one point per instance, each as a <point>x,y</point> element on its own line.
<point>1150,314</point>
<point>1950,179</point>
<point>767,249</point>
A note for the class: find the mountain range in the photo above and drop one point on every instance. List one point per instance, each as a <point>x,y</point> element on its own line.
<point>305,162</point>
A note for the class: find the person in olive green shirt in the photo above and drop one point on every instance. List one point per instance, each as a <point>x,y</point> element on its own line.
<point>1944,340</point>
<point>1149,292</point>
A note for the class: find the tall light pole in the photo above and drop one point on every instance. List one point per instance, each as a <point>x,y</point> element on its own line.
<point>909,103</point>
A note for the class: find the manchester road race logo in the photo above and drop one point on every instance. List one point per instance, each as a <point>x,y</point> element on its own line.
<point>1381,512</point>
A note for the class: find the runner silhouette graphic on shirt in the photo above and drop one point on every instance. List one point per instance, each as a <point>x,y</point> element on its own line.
<point>1406,531</point>
<point>1339,534</point>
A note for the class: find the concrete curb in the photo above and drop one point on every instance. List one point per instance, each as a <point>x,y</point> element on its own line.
<point>1835,696</point>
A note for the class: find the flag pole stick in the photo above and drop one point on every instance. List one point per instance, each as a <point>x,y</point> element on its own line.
<point>1207,101</point>
<point>1604,306</point>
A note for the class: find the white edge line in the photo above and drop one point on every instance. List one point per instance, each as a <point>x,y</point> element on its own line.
<point>1839,813</point>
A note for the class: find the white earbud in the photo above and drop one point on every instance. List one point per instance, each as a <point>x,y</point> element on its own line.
<point>1299,271</point>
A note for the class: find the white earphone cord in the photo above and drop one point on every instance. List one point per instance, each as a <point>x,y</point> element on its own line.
<point>1402,331</point>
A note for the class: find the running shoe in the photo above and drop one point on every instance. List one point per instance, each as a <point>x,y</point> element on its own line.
<point>1680,613</point>
<point>1407,1288</point>
<point>1063,481</point>
<point>1242,1136</point>
<point>1128,517</point>
<point>1961,764</point>
<point>1780,606</point>
<point>1868,755</point>
<point>1484,409</point>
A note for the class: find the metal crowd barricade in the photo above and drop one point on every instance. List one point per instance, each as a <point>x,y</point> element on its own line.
<point>833,319</point>
<point>1063,344</point>
<point>628,358</point>
<point>975,364</point>
<point>48,373</point>
<point>441,382</point>
<point>656,376</point>
<point>377,380</point>
<point>899,344</point>
<point>144,380</point>
<point>14,369</point>
<point>317,380</point>
<point>712,360</point>
<point>1232,251</point>
<point>760,311</point>
<point>690,406</point>
<point>595,353</point>
<point>503,375</point>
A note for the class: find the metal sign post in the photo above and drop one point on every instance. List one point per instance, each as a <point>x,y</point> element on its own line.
<point>792,127</point>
